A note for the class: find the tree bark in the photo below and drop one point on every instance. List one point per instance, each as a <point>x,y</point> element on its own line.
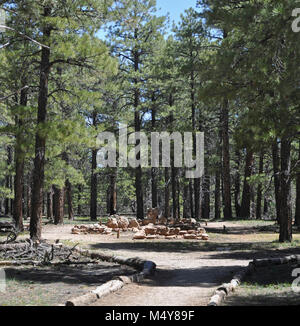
<point>8,181</point>
<point>259,188</point>
<point>58,204</point>
<point>40,142</point>
<point>218,195</point>
<point>79,207</point>
<point>226,160</point>
<point>137,127</point>
<point>246,198</point>
<point>191,190</point>
<point>266,206</point>
<point>186,209</point>
<point>94,178</point>
<point>154,171</point>
<point>206,197</point>
<point>167,193</point>
<point>50,204</point>
<point>297,211</point>
<point>69,199</point>
<point>285,192</point>
<point>276,167</point>
<point>113,192</point>
<point>28,197</point>
<point>174,191</point>
<point>19,166</point>
<point>237,185</point>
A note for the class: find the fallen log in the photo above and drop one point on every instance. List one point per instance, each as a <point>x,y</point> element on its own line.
<point>108,288</point>
<point>14,246</point>
<point>83,300</point>
<point>19,263</point>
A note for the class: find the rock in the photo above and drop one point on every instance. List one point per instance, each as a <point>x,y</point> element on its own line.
<point>191,231</point>
<point>141,235</point>
<point>123,222</point>
<point>135,230</point>
<point>205,237</point>
<point>190,237</point>
<point>163,221</point>
<point>147,222</point>
<point>108,231</point>
<point>133,224</point>
<point>192,221</point>
<point>183,232</point>
<point>150,229</point>
<point>201,230</point>
<point>170,237</point>
<point>152,214</point>
<point>151,237</point>
<point>172,221</point>
<point>112,223</point>
<point>162,230</point>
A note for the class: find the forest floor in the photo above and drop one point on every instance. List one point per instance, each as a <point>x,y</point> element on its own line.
<point>188,272</point>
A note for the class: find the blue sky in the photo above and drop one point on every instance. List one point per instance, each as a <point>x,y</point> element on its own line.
<point>174,7</point>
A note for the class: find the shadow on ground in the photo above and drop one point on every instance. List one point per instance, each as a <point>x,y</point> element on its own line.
<point>267,287</point>
<point>185,247</point>
<point>88,275</point>
<point>285,298</point>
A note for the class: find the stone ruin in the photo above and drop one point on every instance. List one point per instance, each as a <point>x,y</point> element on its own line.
<point>151,228</point>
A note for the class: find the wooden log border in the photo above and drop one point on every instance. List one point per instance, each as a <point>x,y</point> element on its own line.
<point>223,291</point>
<point>145,268</point>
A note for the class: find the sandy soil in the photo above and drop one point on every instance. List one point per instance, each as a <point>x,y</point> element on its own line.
<point>188,272</point>
<point>186,275</point>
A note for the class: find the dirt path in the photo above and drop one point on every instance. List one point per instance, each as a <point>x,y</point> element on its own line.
<point>181,280</point>
<point>186,274</point>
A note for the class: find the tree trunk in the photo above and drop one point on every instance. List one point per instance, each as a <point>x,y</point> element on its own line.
<point>285,192</point>
<point>50,204</point>
<point>246,199</point>
<point>28,197</point>
<point>226,160</point>
<point>58,201</point>
<point>206,197</point>
<point>137,127</point>
<point>276,164</point>
<point>69,199</point>
<point>40,141</point>
<point>186,209</point>
<point>237,185</point>
<point>178,198</point>
<point>19,166</point>
<point>8,181</point>
<point>167,193</point>
<point>94,178</point>
<point>218,196</point>
<point>297,211</point>
<point>259,188</point>
<point>174,191</point>
<point>113,192</point>
<point>266,206</point>
<point>79,207</point>
<point>154,171</point>
<point>191,189</point>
